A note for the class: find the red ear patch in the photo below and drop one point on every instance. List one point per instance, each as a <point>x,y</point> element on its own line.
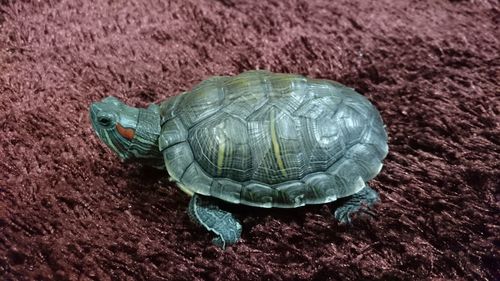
<point>124,132</point>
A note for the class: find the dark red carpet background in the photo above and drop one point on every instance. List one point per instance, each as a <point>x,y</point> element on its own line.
<point>69,210</point>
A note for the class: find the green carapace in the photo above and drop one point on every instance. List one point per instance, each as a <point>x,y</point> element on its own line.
<point>258,139</point>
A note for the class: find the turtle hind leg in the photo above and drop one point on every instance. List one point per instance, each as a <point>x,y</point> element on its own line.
<point>204,211</point>
<point>363,200</point>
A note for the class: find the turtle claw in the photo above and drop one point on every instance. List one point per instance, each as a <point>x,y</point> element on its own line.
<point>220,242</point>
<point>343,216</point>
<point>204,211</point>
<point>363,200</point>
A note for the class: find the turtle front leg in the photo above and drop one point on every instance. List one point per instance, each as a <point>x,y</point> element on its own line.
<point>204,211</point>
<point>365,198</point>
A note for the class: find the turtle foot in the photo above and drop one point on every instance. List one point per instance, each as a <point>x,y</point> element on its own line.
<point>360,201</point>
<point>204,211</point>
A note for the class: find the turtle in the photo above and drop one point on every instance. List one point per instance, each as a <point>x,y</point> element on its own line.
<point>262,139</point>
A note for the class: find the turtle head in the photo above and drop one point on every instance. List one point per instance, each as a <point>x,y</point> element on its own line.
<point>132,133</point>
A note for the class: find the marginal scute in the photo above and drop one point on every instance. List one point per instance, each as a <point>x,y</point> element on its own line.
<point>347,177</point>
<point>177,158</point>
<point>320,188</point>
<point>377,137</point>
<point>345,168</point>
<point>196,179</point>
<point>366,158</point>
<point>227,190</point>
<point>290,195</point>
<point>258,195</point>
<point>172,132</point>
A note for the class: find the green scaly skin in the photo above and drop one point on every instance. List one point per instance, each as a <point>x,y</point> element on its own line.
<point>109,113</point>
<point>204,211</point>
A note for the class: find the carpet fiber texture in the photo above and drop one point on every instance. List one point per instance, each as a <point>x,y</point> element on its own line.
<point>69,210</point>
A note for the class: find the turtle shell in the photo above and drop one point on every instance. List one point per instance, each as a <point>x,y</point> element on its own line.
<point>271,140</point>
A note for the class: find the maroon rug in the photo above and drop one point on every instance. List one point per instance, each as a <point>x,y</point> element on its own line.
<point>69,210</point>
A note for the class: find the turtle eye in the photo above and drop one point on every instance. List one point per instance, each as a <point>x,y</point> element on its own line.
<point>104,121</point>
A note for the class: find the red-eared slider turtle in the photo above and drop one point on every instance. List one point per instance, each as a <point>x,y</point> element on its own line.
<point>258,139</point>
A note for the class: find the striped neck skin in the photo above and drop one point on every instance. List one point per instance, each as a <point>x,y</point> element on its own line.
<point>132,133</point>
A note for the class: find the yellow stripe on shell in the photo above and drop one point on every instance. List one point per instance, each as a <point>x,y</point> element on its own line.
<point>276,145</point>
<point>220,157</point>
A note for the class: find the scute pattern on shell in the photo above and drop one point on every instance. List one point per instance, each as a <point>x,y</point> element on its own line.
<point>272,140</point>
